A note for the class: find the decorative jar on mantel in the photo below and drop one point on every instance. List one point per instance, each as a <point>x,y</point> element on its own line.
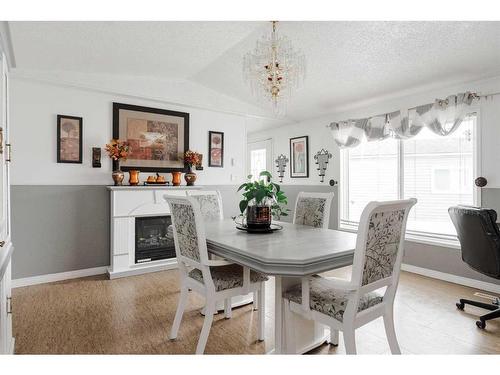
<point>176,178</point>
<point>134,177</point>
<point>118,177</point>
<point>190,177</point>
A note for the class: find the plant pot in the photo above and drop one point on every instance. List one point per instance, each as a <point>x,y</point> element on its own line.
<point>259,217</point>
<point>176,178</point>
<point>134,177</point>
<point>118,177</point>
<point>190,177</point>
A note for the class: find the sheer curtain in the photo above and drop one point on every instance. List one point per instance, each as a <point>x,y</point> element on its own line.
<point>442,117</point>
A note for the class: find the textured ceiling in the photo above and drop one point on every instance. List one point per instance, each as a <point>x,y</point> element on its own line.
<point>165,49</point>
<point>346,61</point>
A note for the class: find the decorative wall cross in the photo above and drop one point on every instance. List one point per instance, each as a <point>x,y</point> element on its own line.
<point>281,163</point>
<point>322,157</point>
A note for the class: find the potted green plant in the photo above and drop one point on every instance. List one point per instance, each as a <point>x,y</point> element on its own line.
<point>262,200</point>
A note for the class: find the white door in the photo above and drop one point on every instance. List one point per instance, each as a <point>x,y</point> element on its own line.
<point>5,237</point>
<point>260,157</point>
<point>4,157</point>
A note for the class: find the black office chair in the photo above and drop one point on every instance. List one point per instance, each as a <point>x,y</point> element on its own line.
<point>479,238</point>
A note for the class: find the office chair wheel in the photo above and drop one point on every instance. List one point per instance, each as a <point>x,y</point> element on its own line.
<point>460,305</point>
<point>481,324</point>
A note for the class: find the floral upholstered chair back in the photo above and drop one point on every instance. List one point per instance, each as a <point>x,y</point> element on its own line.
<point>210,203</point>
<point>313,209</point>
<point>189,233</point>
<point>380,243</point>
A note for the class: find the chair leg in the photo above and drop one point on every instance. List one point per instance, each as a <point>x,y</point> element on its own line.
<point>255,301</point>
<point>349,340</point>
<point>262,311</point>
<point>481,323</point>
<point>228,312</point>
<point>391,332</point>
<point>487,306</point>
<point>181,305</point>
<point>491,315</point>
<point>207,324</point>
<point>334,336</point>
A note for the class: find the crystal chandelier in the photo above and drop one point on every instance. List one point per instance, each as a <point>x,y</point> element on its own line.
<point>274,70</point>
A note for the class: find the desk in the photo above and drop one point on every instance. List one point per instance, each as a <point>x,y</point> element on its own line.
<point>288,255</point>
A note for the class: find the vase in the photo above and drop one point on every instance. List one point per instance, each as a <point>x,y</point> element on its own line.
<point>176,178</point>
<point>118,177</point>
<point>190,177</point>
<point>259,216</point>
<point>134,177</point>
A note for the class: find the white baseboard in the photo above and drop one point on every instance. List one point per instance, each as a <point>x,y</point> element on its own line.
<point>42,279</point>
<point>145,268</point>
<point>477,284</point>
<point>12,346</point>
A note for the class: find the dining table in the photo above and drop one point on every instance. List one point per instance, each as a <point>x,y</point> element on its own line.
<point>290,254</point>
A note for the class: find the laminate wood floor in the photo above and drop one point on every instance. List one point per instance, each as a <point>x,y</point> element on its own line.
<point>134,315</point>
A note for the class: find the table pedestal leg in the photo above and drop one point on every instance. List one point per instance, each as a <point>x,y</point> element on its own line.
<point>307,333</point>
<point>278,316</point>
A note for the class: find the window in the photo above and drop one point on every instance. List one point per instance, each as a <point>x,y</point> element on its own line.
<point>257,161</point>
<point>438,171</point>
<point>371,173</point>
<point>259,157</point>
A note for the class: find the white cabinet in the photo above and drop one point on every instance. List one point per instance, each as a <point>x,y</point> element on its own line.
<point>6,340</point>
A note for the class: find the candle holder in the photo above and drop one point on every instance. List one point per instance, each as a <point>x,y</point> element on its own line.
<point>322,158</point>
<point>281,163</point>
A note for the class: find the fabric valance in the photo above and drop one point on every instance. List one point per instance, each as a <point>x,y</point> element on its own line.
<point>442,117</point>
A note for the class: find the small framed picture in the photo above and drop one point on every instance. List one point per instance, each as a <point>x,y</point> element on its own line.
<point>69,139</point>
<point>299,157</point>
<point>215,149</point>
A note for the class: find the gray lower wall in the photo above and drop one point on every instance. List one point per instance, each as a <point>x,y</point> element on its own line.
<point>64,228</point>
<point>59,228</point>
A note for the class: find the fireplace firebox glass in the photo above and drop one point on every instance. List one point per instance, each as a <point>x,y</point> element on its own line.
<point>154,238</point>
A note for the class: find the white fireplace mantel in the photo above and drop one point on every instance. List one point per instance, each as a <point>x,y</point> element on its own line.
<point>127,203</point>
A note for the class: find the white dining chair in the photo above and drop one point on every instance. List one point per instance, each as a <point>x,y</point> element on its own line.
<point>216,280</point>
<point>345,305</point>
<point>210,202</point>
<point>313,209</point>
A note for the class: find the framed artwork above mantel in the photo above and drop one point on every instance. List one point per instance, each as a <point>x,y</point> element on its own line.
<point>158,138</point>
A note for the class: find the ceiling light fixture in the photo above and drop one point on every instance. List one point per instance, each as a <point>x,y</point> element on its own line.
<point>274,70</point>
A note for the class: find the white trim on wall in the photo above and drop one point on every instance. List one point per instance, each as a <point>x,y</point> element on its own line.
<point>472,283</point>
<point>65,83</point>
<point>51,277</point>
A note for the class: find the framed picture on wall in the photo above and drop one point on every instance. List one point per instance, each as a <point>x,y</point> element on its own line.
<point>158,138</point>
<point>69,139</point>
<point>215,149</point>
<point>299,157</point>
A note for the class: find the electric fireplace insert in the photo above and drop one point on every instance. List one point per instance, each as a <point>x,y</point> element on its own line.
<point>153,239</point>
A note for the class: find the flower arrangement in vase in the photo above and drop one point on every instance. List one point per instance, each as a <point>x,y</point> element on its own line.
<point>262,200</point>
<point>117,150</point>
<point>191,158</point>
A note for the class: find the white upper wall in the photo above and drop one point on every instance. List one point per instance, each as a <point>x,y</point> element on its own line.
<point>34,106</point>
<point>320,136</point>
